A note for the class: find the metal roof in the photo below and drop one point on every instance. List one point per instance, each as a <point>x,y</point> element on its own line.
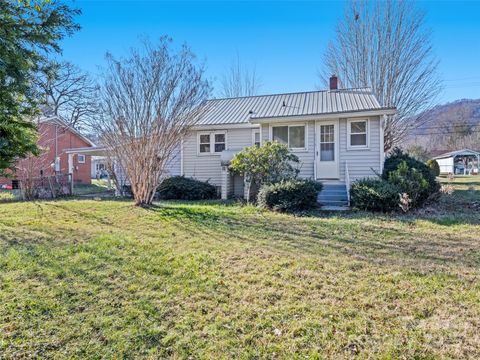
<point>462,152</point>
<point>241,109</point>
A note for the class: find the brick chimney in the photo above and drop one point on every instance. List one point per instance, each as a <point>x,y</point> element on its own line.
<point>333,82</point>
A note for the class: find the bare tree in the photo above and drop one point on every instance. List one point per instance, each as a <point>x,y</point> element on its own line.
<point>239,81</point>
<point>34,167</point>
<point>149,101</point>
<point>385,45</point>
<point>71,93</point>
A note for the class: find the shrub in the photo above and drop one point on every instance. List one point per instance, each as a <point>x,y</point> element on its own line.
<point>397,157</point>
<point>410,181</point>
<point>434,167</point>
<point>374,195</point>
<point>182,188</point>
<point>289,196</point>
<point>267,164</point>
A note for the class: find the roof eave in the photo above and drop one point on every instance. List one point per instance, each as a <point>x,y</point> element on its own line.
<point>245,125</point>
<point>374,112</point>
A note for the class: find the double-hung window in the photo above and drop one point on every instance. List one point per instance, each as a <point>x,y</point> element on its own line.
<point>219,140</point>
<point>357,134</point>
<point>256,137</point>
<point>204,141</point>
<point>212,142</point>
<point>291,135</point>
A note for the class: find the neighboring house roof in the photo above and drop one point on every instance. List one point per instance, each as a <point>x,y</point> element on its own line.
<point>463,152</point>
<point>58,120</point>
<point>242,110</point>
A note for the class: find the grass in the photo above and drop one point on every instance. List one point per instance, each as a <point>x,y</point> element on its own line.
<point>6,195</point>
<point>97,187</point>
<point>103,279</point>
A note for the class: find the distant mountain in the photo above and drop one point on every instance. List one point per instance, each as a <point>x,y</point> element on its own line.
<point>449,127</point>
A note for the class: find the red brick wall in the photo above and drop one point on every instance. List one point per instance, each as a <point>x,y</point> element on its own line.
<point>66,139</point>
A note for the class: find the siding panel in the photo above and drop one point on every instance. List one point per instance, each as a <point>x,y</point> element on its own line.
<point>207,167</point>
<point>363,162</point>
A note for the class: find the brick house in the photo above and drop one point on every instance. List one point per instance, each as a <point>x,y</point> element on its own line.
<point>55,137</point>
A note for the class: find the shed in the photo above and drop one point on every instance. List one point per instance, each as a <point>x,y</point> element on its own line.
<point>459,162</point>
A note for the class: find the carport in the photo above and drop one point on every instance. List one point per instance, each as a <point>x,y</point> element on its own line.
<point>460,162</point>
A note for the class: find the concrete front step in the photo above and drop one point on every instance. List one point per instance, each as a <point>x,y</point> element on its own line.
<point>334,208</point>
<point>333,191</point>
<point>334,203</point>
<point>334,187</point>
<point>333,197</point>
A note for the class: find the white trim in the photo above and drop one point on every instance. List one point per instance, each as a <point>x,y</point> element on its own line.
<point>315,151</point>
<point>383,122</point>
<point>224,126</point>
<point>367,134</point>
<point>323,116</point>
<point>212,142</point>
<point>181,157</point>
<point>270,136</point>
<point>255,131</point>
<point>336,123</point>
<point>81,161</point>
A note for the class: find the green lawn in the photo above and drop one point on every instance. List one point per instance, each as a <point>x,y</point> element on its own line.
<point>6,195</point>
<point>97,187</point>
<point>102,279</point>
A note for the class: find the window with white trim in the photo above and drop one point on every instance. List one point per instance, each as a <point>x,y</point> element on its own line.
<point>81,159</point>
<point>219,142</point>
<point>291,135</point>
<point>358,133</point>
<point>256,137</point>
<point>204,143</point>
<point>211,143</point>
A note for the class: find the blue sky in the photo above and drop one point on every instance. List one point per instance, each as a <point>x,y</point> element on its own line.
<point>284,41</point>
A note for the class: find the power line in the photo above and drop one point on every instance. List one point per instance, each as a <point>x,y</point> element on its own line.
<point>447,133</point>
<point>447,126</point>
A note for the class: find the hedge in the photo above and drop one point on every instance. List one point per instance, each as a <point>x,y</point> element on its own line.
<point>289,196</point>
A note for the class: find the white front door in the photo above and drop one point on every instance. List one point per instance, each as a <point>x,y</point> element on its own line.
<point>327,150</point>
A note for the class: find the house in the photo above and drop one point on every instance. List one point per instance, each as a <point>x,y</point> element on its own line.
<point>55,137</point>
<point>464,162</point>
<point>337,135</point>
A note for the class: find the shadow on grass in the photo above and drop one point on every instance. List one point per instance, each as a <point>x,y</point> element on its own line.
<point>353,235</point>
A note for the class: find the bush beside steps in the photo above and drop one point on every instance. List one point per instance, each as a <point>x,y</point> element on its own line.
<point>406,183</point>
<point>183,188</point>
<point>289,196</point>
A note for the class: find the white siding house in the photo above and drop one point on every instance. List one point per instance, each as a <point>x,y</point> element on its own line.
<point>337,134</point>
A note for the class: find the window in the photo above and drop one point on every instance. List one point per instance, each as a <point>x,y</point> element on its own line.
<point>256,137</point>
<point>210,143</point>
<point>280,134</point>
<point>204,143</point>
<point>292,135</point>
<point>81,159</point>
<point>358,133</point>
<point>219,142</point>
<point>57,164</point>
<point>327,142</point>
<point>296,137</point>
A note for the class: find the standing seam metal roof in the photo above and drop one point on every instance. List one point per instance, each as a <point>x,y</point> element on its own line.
<point>241,109</point>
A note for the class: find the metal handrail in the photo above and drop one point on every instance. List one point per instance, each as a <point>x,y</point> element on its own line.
<point>347,182</point>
